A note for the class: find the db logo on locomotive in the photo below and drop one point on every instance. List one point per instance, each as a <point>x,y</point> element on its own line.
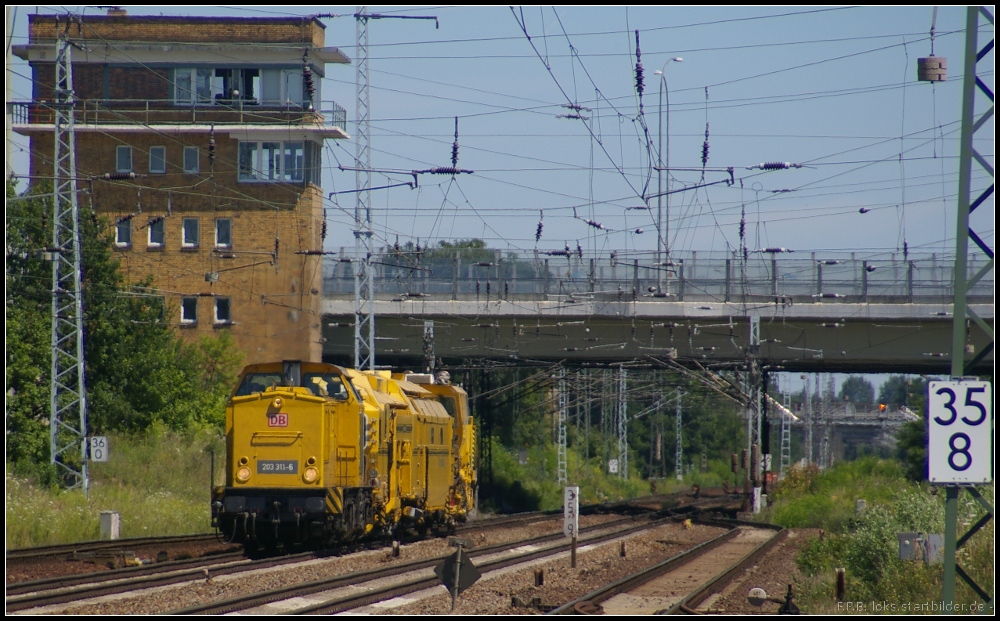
<point>277,420</point>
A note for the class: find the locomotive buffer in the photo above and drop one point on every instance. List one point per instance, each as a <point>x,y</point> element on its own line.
<point>457,573</point>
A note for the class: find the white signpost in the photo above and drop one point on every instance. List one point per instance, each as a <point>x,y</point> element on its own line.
<point>960,432</point>
<point>98,448</point>
<point>571,511</point>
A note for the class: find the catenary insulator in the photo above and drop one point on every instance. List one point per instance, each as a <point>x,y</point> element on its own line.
<point>775,166</point>
<point>932,69</point>
<point>639,83</point>
<point>454,147</point>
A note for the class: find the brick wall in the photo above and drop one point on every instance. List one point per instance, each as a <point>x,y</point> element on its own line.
<point>89,81</point>
<point>174,29</point>
<point>275,304</point>
<point>96,152</point>
<point>275,297</point>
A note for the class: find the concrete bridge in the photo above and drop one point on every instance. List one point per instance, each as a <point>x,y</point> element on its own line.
<point>829,312</point>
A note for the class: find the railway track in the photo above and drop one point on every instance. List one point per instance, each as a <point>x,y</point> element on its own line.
<point>681,583</point>
<point>38,594</point>
<point>29,554</point>
<point>81,588</point>
<point>365,587</point>
<point>61,590</point>
<point>58,583</point>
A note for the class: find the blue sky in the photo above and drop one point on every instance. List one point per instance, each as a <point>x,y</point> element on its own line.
<point>831,88</point>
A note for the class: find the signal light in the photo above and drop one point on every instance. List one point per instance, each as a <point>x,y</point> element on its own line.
<point>881,407</point>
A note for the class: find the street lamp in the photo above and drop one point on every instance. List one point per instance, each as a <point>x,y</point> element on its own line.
<point>662,237</point>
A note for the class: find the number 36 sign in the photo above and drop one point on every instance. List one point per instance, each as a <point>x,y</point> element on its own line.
<point>960,432</point>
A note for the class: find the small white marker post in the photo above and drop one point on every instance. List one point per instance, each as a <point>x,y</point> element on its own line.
<point>571,518</point>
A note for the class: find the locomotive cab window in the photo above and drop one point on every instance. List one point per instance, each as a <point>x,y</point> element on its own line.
<point>258,382</point>
<point>450,405</point>
<point>325,385</point>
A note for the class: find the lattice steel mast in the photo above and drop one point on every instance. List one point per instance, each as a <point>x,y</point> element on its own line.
<point>786,436</point>
<point>561,476</point>
<point>68,397</point>
<point>962,312</point>
<point>364,277</point>
<point>364,292</point>
<point>679,452</point>
<point>622,420</point>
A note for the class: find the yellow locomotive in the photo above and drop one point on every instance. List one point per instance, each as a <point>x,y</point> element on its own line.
<point>318,454</point>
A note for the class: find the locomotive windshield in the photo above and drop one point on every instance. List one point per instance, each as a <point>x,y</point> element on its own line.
<point>319,384</point>
<point>449,405</point>
<point>258,382</point>
<point>325,385</point>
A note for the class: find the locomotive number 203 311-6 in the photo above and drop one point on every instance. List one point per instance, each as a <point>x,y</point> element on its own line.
<point>273,466</point>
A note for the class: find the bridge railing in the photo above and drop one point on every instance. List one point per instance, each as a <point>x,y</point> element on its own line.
<point>489,274</point>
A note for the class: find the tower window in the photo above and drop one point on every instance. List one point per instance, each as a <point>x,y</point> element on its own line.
<point>189,310</point>
<point>192,155</point>
<point>123,233</point>
<point>123,159</point>
<point>156,233</point>
<point>223,233</point>
<point>157,160</point>
<point>278,161</point>
<point>222,311</point>
<point>190,233</point>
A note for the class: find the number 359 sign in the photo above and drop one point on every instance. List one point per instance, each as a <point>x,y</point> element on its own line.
<point>960,432</point>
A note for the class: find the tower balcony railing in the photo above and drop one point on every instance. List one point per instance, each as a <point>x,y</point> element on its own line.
<point>168,112</point>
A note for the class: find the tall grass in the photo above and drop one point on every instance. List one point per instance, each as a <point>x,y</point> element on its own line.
<point>532,486</point>
<point>866,544</point>
<point>158,482</point>
<point>808,497</point>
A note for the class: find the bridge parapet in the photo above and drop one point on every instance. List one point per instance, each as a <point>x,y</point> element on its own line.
<point>488,275</point>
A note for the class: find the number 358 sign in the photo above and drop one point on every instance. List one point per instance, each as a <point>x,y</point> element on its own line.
<point>960,432</point>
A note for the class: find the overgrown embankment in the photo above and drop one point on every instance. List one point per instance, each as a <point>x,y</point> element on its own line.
<point>864,541</point>
<point>157,481</point>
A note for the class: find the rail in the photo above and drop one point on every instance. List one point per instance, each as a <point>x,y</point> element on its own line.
<point>155,111</point>
<point>487,274</point>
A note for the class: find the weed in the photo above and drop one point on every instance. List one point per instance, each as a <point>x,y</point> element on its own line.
<point>157,481</point>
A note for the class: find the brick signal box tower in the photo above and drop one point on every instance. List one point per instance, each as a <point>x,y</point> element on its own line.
<point>200,140</point>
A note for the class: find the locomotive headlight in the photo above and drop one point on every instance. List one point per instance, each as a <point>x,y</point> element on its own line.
<point>243,474</point>
<point>277,403</point>
<point>310,475</point>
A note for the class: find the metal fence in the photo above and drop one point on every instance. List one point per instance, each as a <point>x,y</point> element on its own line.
<point>495,274</point>
<point>151,111</point>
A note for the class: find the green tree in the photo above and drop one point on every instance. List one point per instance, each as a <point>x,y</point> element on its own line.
<point>911,449</point>
<point>858,390</point>
<point>900,390</point>
<point>138,372</point>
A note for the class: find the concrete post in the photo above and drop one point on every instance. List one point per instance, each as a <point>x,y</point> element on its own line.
<point>111,523</point>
